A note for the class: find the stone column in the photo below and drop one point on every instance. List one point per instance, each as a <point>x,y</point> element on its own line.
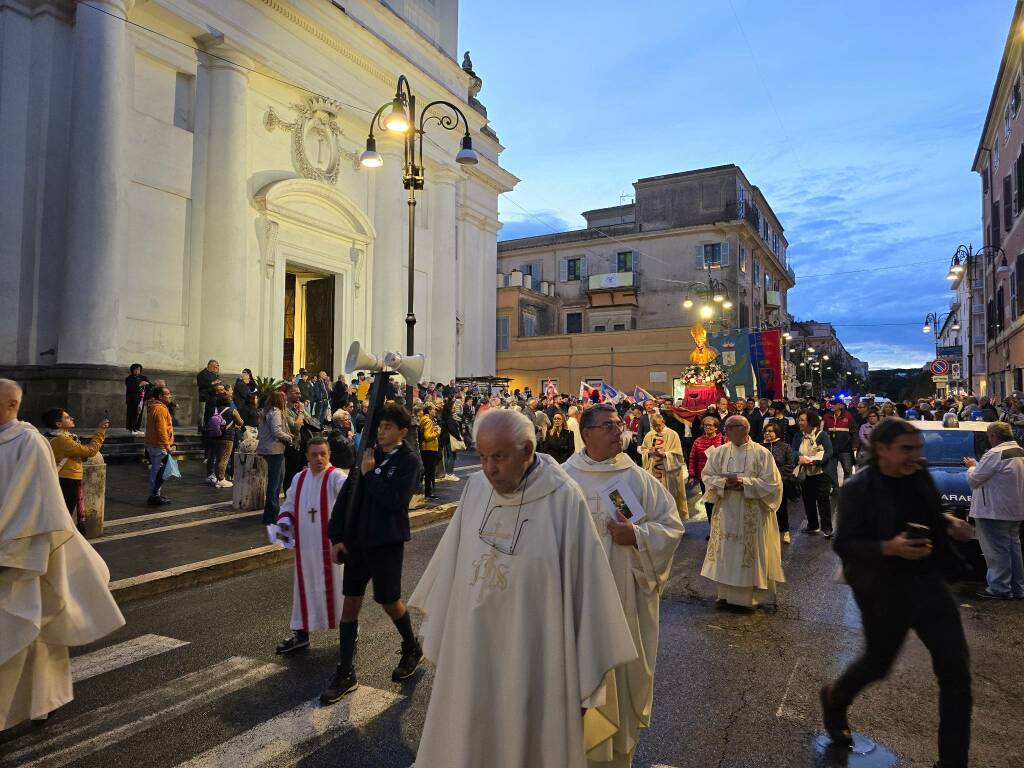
<point>441,362</point>
<point>98,184</point>
<point>225,265</point>
<point>94,494</point>
<point>390,261</point>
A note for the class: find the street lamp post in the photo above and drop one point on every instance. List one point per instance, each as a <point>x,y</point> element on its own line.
<point>710,293</point>
<point>962,264</point>
<point>933,322</point>
<point>402,118</point>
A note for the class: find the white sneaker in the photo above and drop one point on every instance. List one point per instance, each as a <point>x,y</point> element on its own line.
<point>451,478</point>
<point>224,484</point>
<point>211,479</point>
<point>138,433</point>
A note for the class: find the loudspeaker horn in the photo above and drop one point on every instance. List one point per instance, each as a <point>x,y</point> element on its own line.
<point>358,359</point>
<point>410,367</point>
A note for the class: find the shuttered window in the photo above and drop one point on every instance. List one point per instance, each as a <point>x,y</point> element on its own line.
<point>501,335</point>
<point>1007,202</point>
<point>574,322</point>
<point>995,228</point>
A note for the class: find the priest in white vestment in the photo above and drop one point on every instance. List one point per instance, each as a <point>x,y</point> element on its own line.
<point>663,458</point>
<point>302,522</point>
<point>53,586</point>
<point>522,617</point>
<point>744,556</point>
<point>640,557</point>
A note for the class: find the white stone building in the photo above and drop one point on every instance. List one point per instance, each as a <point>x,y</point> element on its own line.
<point>180,181</point>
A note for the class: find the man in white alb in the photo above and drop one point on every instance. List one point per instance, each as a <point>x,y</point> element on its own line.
<point>303,520</point>
<point>744,554</point>
<point>53,585</point>
<point>522,618</point>
<point>640,557</point>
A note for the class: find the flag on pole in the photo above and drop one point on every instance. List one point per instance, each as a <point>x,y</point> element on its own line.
<point>551,392</point>
<point>587,391</point>
<point>641,395</point>
<point>610,393</point>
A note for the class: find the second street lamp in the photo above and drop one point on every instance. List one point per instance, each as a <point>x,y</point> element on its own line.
<point>403,119</point>
<point>962,265</point>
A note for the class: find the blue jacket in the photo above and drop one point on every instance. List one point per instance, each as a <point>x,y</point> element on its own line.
<point>828,460</point>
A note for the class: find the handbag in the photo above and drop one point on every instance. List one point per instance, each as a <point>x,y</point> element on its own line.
<point>455,444</point>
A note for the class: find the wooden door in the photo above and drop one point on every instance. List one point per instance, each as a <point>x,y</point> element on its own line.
<point>320,325</point>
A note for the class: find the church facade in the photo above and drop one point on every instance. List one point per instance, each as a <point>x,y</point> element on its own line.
<point>181,182</point>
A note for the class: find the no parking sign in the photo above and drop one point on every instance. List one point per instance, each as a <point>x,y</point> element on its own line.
<point>939,367</point>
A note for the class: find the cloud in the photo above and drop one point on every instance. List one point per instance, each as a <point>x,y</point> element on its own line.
<point>539,223</point>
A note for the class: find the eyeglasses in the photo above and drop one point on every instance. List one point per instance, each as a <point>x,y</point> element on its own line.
<point>610,426</point>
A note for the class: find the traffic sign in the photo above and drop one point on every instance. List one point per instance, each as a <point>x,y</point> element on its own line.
<point>940,367</point>
<point>954,370</point>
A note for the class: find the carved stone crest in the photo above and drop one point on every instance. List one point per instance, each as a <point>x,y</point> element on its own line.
<point>316,138</point>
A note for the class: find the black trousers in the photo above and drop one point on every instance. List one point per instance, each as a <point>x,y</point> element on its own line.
<point>845,459</point>
<point>925,605</point>
<point>69,490</point>
<point>816,491</point>
<point>132,417</point>
<point>429,459</point>
<point>782,514</point>
<point>709,508</point>
<point>294,461</point>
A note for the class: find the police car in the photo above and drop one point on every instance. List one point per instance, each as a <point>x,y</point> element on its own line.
<point>946,443</point>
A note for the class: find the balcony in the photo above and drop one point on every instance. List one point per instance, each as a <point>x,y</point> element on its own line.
<point>610,289</point>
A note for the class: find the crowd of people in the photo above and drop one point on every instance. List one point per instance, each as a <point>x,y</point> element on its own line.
<point>606,488</point>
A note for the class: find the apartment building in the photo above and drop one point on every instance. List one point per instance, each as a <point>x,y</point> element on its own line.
<point>999,160</point>
<point>697,244</point>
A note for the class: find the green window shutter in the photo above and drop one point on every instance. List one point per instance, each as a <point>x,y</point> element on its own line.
<point>563,269</point>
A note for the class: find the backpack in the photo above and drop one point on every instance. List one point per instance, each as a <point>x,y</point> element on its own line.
<point>215,426</point>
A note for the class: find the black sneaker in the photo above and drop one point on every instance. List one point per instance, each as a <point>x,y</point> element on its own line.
<point>341,684</point>
<point>157,501</point>
<point>836,725</point>
<point>411,658</point>
<point>827,534</point>
<point>294,642</point>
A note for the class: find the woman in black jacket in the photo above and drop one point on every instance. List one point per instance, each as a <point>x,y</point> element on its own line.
<point>558,443</point>
<point>450,428</point>
<point>786,462</point>
<point>245,398</point>
<point>893,537</point>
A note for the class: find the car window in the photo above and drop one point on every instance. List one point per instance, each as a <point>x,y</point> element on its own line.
<point>948,447</point>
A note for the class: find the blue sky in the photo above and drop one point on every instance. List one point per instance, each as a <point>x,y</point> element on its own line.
<point>858,121</point>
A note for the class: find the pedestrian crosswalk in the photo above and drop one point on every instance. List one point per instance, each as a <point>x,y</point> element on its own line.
<point>121,655</point>
<point>296,733</point>
<point>281,740</point>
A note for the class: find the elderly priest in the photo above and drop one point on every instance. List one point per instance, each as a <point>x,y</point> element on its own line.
<point>744,554</point>
<point>53,585</point>
<point>640,556</point>
<point>522,618</point>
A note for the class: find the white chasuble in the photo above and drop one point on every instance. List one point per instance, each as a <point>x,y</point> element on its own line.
<point>522,620</point>
<point>744,554</point>
<point>640,572</point>
<point>316,597</point>
<point>668,468</point>
<point>53,586</point>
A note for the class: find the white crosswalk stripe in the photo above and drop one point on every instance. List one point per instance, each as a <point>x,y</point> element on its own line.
<point>297,733</point>
<point>62,743</point>
<point>121,655</point>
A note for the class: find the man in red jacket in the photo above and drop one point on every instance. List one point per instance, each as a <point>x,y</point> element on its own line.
<point>842,429</point>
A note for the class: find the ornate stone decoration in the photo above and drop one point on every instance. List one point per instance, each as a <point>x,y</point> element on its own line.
<point>316,138</point>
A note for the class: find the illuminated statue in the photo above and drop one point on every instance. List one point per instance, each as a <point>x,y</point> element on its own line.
<point>703,354</point>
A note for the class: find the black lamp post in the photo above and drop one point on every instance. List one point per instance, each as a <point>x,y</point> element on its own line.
<point>402,118</point>
<point>933,322</point>
<point>962,265</point>
<point>712,292</point>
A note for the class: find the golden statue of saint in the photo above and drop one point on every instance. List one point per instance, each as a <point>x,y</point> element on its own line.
<point>703,354</point>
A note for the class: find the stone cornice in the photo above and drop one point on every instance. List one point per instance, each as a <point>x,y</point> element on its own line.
<point>61,9</point>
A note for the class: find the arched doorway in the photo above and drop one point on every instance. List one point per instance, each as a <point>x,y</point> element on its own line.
<point>316,244</point>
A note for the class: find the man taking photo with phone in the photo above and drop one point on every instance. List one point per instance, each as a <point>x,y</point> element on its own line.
<point>893,537</point>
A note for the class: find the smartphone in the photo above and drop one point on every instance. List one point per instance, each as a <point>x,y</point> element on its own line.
<point>918,531</point>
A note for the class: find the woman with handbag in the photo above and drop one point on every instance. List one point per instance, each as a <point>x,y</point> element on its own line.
<point>451,440</point>
<point>711,438</point>
<point>429,434</point>
<point>786,462</point>
<point>817,472</point>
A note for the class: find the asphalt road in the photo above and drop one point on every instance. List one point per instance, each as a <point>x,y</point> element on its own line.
<point>193,680</point>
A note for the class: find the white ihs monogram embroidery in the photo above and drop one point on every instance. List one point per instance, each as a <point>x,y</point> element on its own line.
<point>490,572</point>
